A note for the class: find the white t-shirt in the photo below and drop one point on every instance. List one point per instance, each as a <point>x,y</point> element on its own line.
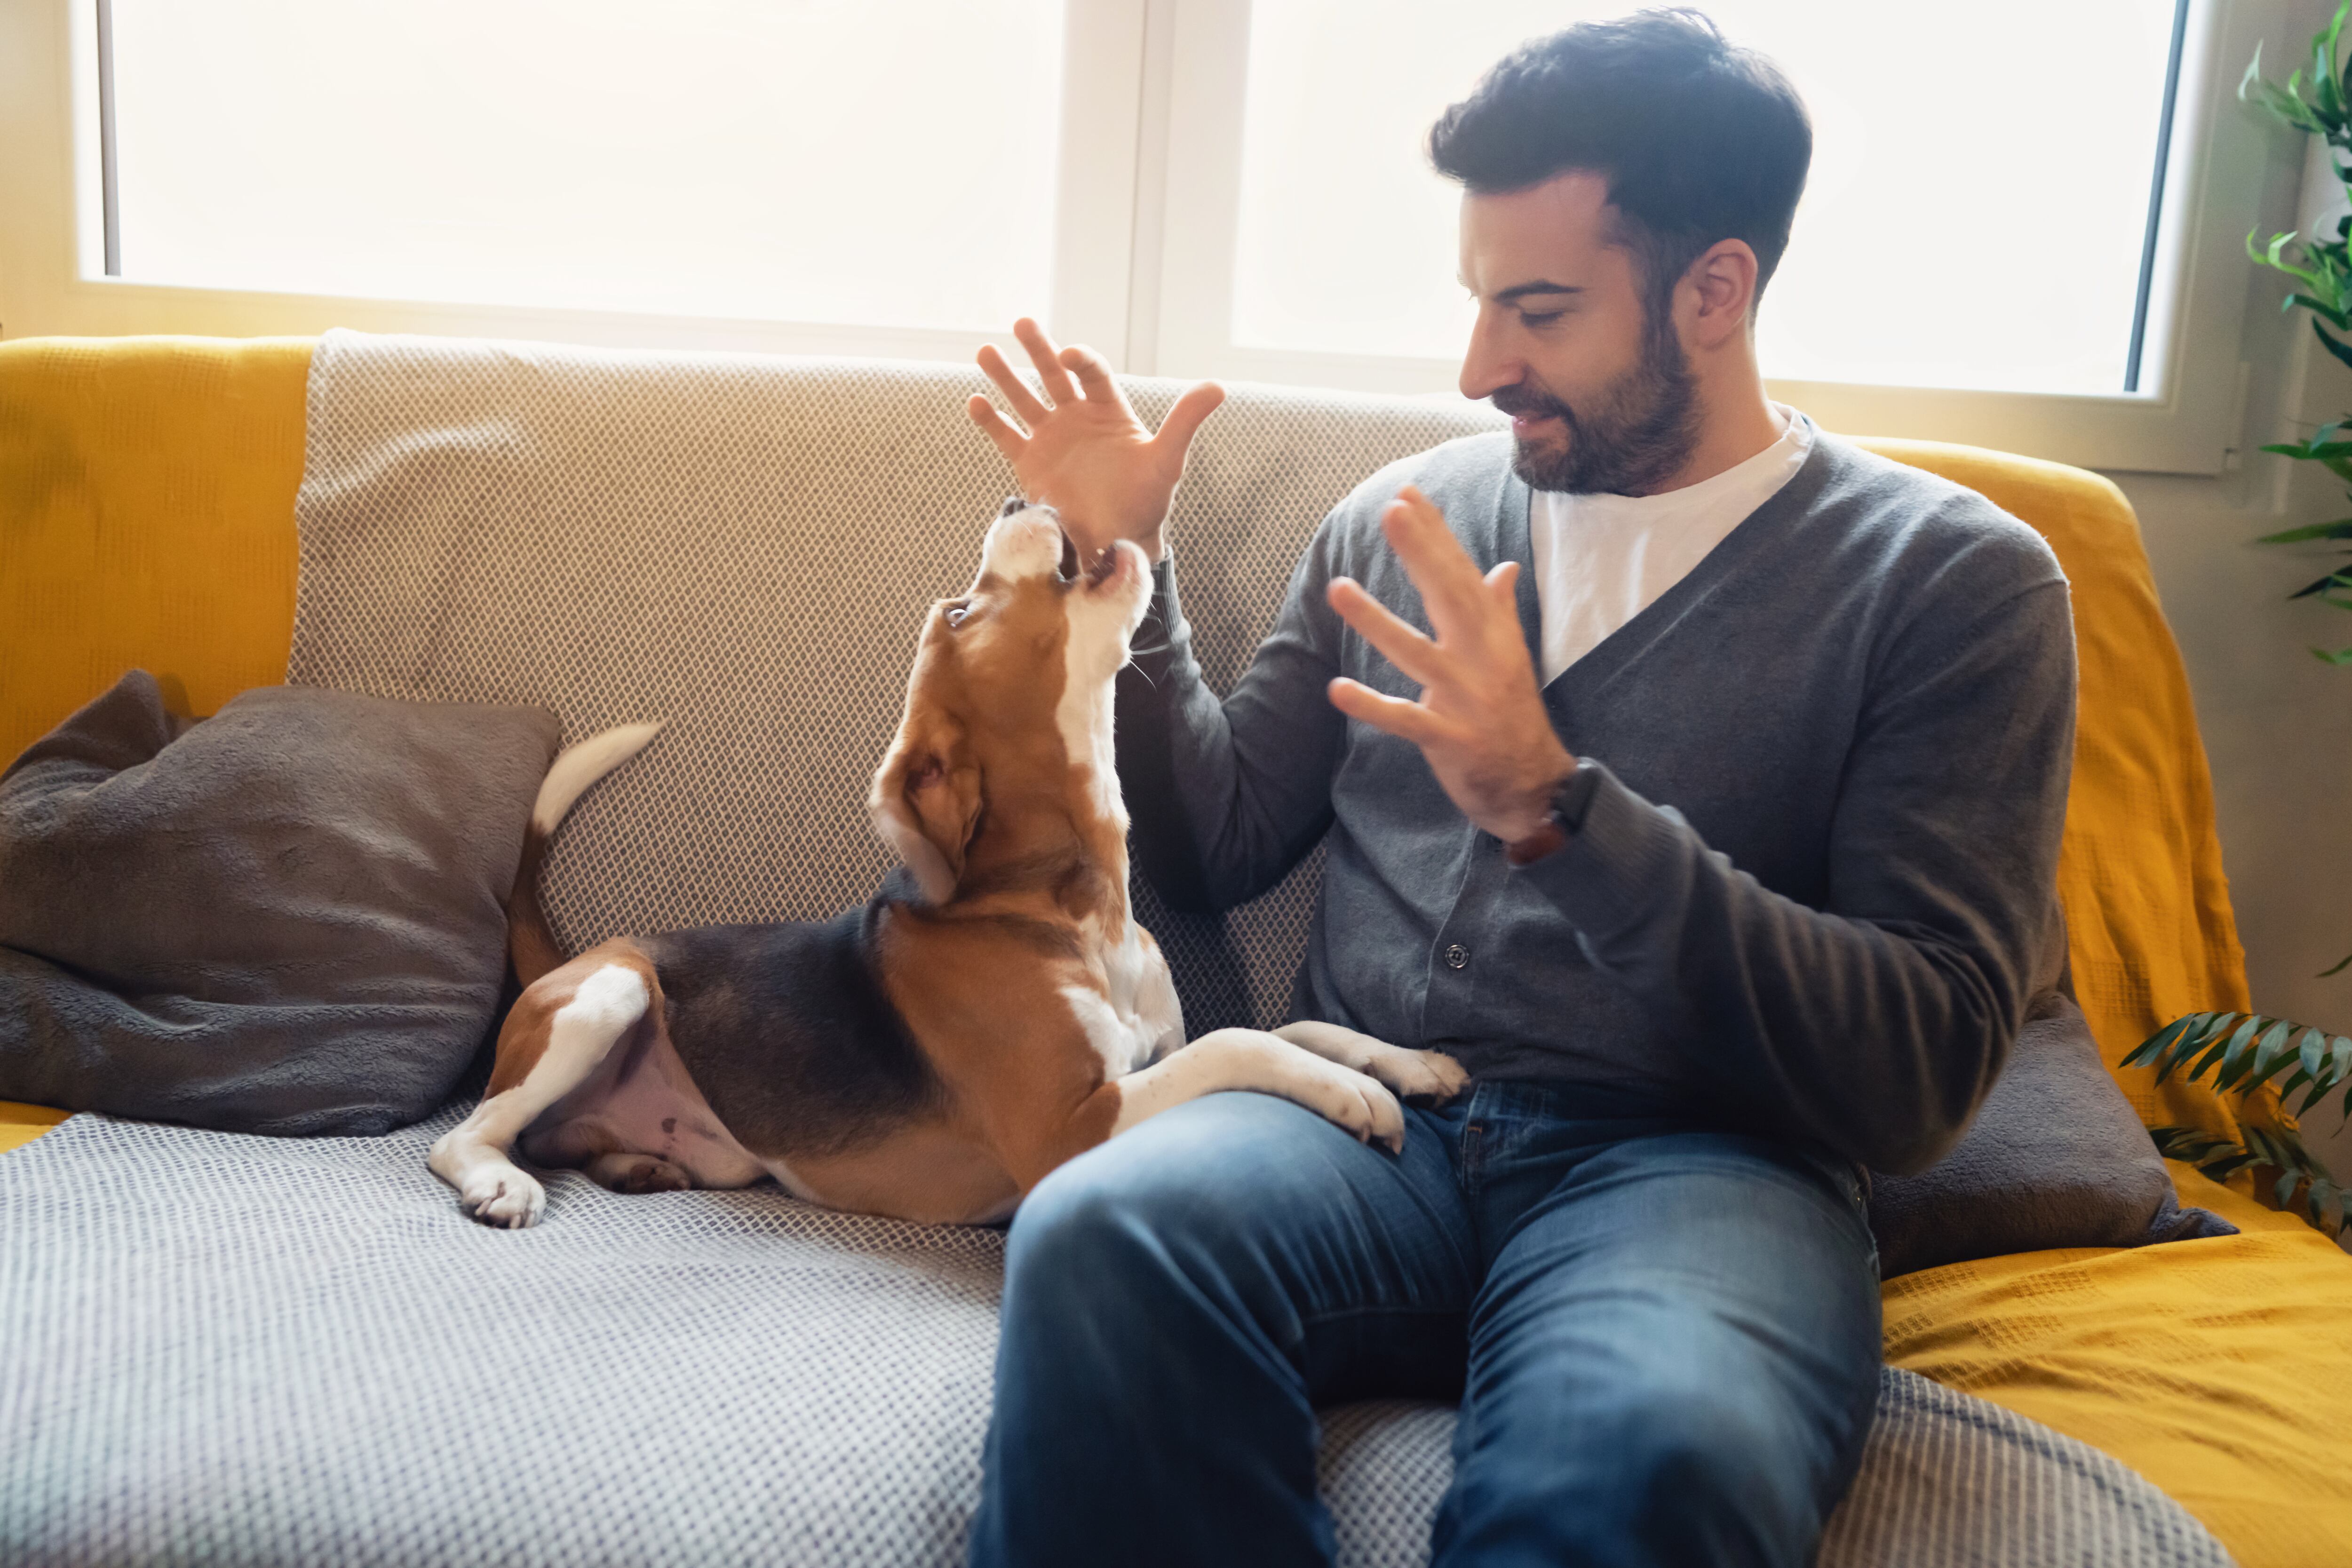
<point>1600,560</point>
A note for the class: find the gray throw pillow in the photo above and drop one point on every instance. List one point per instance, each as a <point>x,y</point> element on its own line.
<point>2054,1158</point>
<point>287,917</point>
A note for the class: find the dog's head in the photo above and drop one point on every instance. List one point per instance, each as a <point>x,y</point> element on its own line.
<point>1008,706</point>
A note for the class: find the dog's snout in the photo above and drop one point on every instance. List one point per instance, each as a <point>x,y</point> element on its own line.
<point>1012,504</point>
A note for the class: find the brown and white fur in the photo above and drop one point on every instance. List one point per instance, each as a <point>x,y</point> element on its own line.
<point>934,1055</point>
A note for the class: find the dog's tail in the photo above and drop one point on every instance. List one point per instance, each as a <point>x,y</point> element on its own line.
<point>529,944</point>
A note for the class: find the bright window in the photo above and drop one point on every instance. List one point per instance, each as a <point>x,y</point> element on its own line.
<point>1976,218</point>
<point>826,160</point>
<point>1231,188</point>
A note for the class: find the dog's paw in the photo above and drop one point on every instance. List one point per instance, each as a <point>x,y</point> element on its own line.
<point>1358,1102</point>
<point>510,1199</point>
<point>1415,1075</point>
<point>631,1172</point>
<point>1432,1076</point>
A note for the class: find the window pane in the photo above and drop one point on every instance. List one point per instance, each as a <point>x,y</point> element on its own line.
<point>818,160</point>
<point>1975,216</point>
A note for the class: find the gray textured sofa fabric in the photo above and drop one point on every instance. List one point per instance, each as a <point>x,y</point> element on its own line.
<point>742,546</point>
<point>2056,1157</point>
<point>264,1353</point>
<point>287,917</point>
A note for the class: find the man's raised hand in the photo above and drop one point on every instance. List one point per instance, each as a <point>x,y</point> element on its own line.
<point>1080,449</point>
<point>1480,719</point>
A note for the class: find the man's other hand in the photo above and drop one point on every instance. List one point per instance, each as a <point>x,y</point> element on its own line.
<point>1084,452</point>
<point>1480,719</point>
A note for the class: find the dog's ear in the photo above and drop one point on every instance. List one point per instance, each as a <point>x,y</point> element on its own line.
<point>925,799</point>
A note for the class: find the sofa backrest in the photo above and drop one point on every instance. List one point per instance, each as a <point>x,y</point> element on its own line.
<point>146,517</point>
<point>745,547</point>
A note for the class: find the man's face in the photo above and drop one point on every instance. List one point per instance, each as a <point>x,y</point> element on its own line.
<point>1602,397</point>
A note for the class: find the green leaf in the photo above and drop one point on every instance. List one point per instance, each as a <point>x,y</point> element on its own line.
<point>2311,1049</point>
<point>2333,581</point>
<point>2341,528</point>
<point>2245,1050</point>
<point>2234,1054</point>
<point>2198,1038</point>
<point>2326,312</point>
<point>2155,1045</point>
<point>2340,352</point>
<point>2270,1053</point>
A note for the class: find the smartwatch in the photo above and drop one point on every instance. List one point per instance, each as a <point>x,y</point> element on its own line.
<point>1561,822</point>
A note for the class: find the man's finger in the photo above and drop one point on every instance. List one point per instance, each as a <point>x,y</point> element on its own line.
<point>1407,721</point>
<point>1047,358</point>
<point>1016,392</point>
<point>996,427</point>
<point>1183,421</point>
<point>1399,640</point>
<point>1448,579</point>
<point>1092,374</point>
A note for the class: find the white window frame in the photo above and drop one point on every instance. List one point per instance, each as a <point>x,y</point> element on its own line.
<point>1148,196</point>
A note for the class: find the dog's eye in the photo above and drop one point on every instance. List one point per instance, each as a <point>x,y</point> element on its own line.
<point>957,612</point>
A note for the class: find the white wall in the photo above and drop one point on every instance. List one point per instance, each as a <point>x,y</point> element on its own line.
<point>2277,722</point>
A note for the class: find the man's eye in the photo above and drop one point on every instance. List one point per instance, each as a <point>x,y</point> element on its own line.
<point>1540,317</point>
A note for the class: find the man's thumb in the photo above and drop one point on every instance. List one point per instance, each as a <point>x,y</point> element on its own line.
<point>1183,421</point>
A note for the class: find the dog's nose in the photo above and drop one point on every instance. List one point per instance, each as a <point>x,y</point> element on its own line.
<point>1012,504</point>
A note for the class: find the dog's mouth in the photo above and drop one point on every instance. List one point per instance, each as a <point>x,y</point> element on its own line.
<point>1105,567</point>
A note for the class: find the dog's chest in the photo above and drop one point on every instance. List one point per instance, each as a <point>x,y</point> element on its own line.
<point>1136,1016</point>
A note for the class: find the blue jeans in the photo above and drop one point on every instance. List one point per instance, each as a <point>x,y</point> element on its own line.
<point>1664,1338</point>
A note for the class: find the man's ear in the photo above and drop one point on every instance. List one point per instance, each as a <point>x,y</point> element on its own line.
<point>926,801</point>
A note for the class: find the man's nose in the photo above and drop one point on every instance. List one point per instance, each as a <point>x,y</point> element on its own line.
<point>1486,368</point>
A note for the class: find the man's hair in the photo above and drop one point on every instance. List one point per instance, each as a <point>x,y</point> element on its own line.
<point>1700,141</point>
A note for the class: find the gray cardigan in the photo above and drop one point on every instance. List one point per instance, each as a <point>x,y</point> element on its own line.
<point>1814,884</point>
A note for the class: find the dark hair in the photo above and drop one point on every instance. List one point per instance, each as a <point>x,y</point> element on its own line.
<point>1699,141</point>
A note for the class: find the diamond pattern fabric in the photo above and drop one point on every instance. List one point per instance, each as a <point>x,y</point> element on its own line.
<point>275,1352</point>
<point>745,547</point>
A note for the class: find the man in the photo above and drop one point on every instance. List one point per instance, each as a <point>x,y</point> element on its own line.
<point>1693,777</point>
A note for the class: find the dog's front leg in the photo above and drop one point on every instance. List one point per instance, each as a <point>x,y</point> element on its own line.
<point>1414,1075</point>
<point>1254,1060</point>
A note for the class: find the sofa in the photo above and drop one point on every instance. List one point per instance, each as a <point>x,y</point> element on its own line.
<point>459,504</point>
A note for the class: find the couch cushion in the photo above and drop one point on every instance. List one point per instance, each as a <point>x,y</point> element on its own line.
<point>2219,1369</point>
<point>278,1351</point>
<point>287,917</point>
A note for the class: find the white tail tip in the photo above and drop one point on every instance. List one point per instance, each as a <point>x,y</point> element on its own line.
<point>579,765</point>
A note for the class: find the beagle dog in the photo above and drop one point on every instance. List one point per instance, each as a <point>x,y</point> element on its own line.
<point>992,1012</point>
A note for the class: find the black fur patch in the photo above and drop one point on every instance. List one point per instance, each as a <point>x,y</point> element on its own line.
<point>788,1033</point>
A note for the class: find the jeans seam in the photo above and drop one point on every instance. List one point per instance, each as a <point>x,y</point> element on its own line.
<point>1341,1314</point>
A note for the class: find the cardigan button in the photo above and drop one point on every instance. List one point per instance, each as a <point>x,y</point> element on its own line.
<point>1458,957</point>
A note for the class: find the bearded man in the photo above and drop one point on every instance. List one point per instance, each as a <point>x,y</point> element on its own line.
<point>1693,777</point>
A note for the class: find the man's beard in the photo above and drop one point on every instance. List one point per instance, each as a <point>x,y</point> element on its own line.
<point>1634,435</point>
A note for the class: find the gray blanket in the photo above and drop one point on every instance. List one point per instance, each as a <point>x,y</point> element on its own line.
<point>284,919</point>
<point>236,1350</point>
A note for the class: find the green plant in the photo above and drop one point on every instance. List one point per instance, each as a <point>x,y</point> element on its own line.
<point>2245,1052</point>
<point>2321,105</point>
